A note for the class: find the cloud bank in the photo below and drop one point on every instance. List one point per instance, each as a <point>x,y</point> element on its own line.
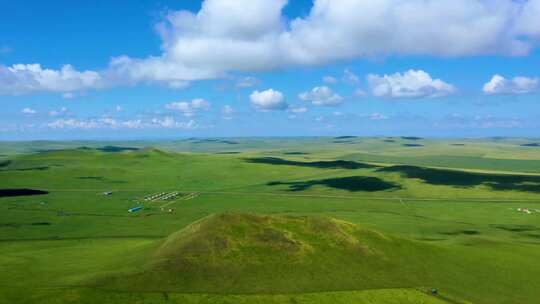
<point>254,35</point>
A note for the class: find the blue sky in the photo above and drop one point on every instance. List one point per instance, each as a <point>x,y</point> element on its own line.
<point>165,69</point>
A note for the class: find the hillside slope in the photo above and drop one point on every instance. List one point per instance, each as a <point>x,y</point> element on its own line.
<point>245,253</point>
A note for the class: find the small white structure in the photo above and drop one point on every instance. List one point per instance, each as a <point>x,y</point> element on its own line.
<point>524,210</point>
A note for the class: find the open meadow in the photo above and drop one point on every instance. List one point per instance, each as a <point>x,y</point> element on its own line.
<point>271,220</point>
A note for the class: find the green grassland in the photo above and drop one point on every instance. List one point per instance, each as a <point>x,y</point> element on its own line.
<point>283,220</point>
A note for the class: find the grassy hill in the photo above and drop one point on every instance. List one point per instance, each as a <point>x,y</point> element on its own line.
<point>247,253</point>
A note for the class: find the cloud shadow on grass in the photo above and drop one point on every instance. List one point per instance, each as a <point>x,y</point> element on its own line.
<point>527,183</point>
<point>350,183</point>
<point>334,164</point>
<point>20,192</point>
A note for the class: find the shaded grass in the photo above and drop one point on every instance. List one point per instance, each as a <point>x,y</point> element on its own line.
<point>350,183</point>
<point>336,164</point>
<point>345,137</point>
<point>528,183</point>
<point>116,149</point>
<point>295,153</point>
<point>21,192</point>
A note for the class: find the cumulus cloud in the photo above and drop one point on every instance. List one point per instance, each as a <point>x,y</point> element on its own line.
<point>517,85</point>
<point>411,84</point>
<point>268,100</point>
<point>253,35</point>
<point>29,78</point>
<point>321,96</point>
<point>191,108</point>
<point>28,111</point>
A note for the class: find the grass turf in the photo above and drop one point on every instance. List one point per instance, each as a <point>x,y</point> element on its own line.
<point>484,250</point>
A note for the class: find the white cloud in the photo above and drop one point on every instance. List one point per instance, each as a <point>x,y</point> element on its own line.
<point>227,112</point>
<point>170,123</point>
<point>29,78</point>
<point>528,24</point>
<point>222,37</point>
<point>329,80</point>
<point>167,122</point>
<point>298,110</point>
<point>28,111</point>
<point>74,124</point>
<point>411,84</point>
<point>350,77</point>
<point>321,96</point>
<point>189,109</point>
<point>118,108</point>
<point>268,100</point>
<point>377,116</point>
<point>134,124</point>
<point>68,95</point>
<point>254,35</point>
<point>61,111</point>
<point>517,85</point>
<point>247,82</point>
<point>178,84</point>
<point>456,120</point>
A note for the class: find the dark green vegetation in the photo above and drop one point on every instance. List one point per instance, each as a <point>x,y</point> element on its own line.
<point>531,145</point>
<point>116,149</point>
<point>349,183</point>
<point>345,137</point>
<point>20,192</point>
<point>301,220</point>
<point>530,183</point>
<point>412,145</point>
<point>336,164</point>
<point>295,153</point>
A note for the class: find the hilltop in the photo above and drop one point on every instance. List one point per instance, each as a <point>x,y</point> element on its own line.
<point>248,253</point>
